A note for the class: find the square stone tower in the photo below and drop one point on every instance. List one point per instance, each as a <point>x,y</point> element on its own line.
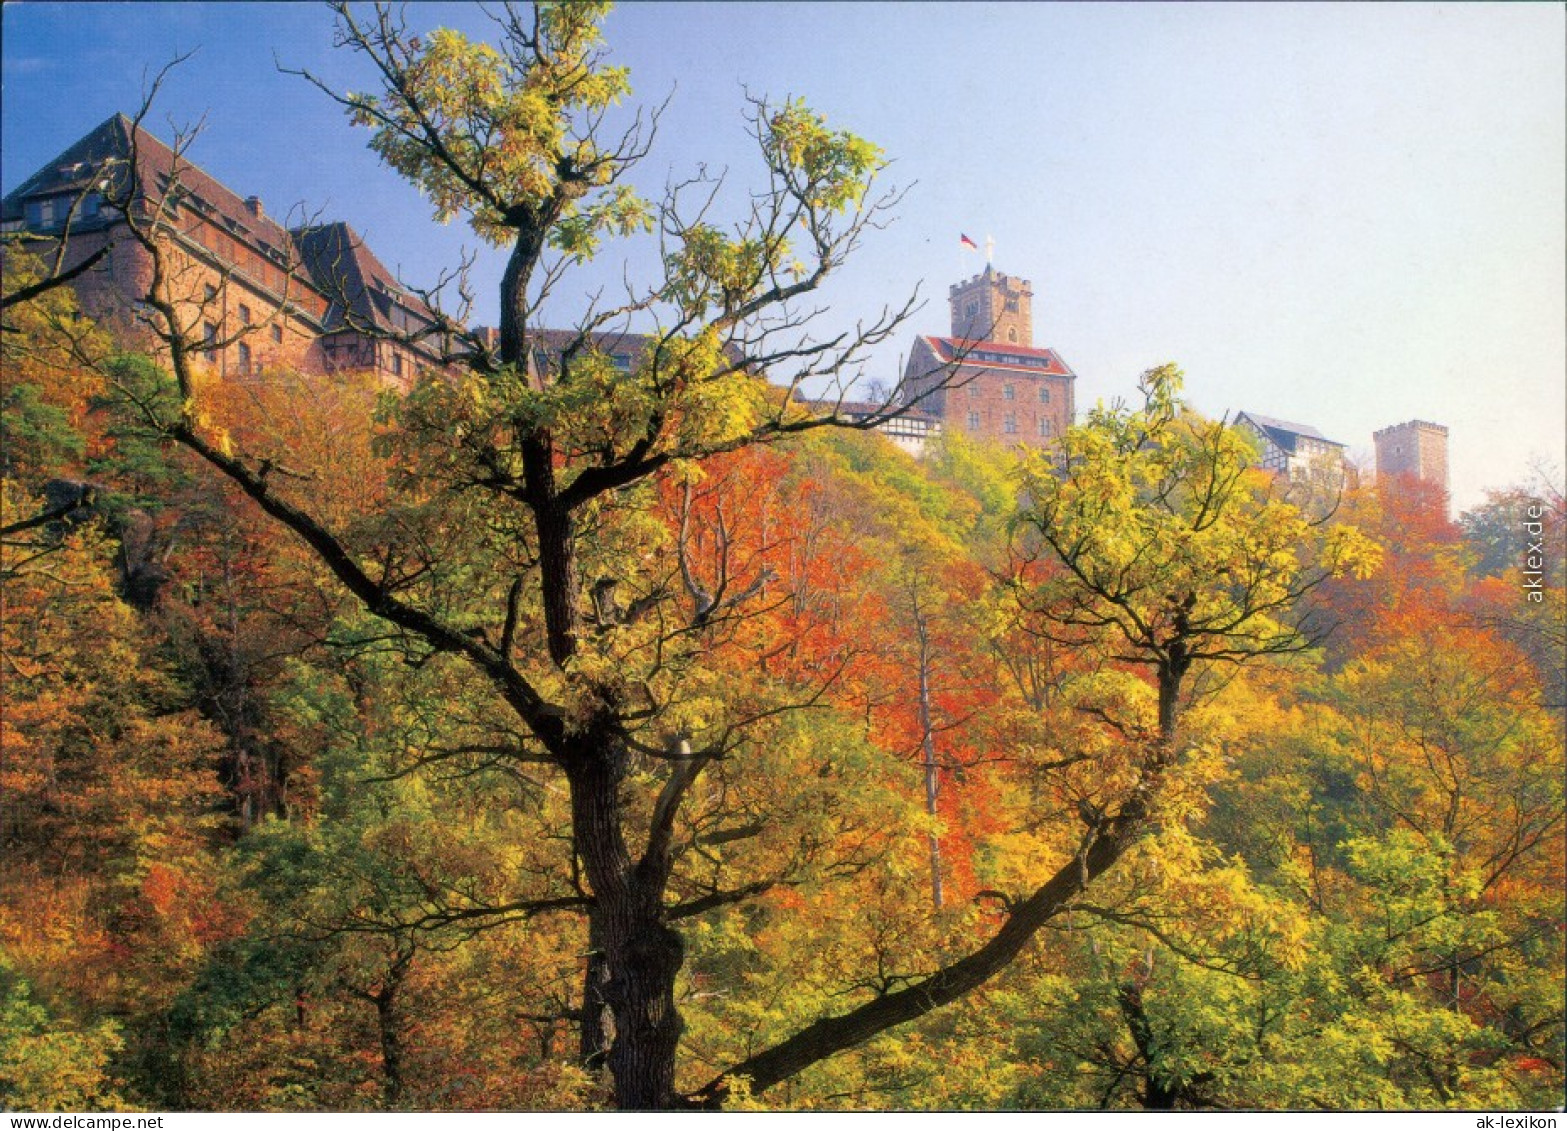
<point>992,307</point>
<point>1416,448</point>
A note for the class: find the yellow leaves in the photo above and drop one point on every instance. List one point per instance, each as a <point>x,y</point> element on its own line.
<point>1349,552</point>
<point>829,169</point>
<point>50,1063</point>
<point>1170,544</point>
<point>712,271</point>
<point>481,132</point>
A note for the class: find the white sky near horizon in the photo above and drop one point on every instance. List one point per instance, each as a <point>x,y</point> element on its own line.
<point>1344,215</point>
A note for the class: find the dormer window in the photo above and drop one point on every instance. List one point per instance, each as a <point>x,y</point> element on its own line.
<point>47,213</point>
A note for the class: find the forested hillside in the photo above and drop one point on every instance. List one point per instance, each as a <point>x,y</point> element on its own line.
<point>643,738</point>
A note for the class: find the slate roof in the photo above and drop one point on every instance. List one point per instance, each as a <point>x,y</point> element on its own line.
<point>344,269</point>
<point>85,161</point>
<point>548,345</point>
<point>1282,432</point>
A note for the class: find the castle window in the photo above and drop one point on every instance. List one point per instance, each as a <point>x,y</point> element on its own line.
<point>973,389</point>
<point>1009,424</point>
<point>277,333</point>
<point>44,213</point>
<point>973,421</point>
<point>209,339</point>
<point>1044,394</point>
<point>1009,392</point>
<point>397,365</point>
<point>972,309</point>
<point>1012,305</point>
<point>208,293</point>
<point>1011,335</point>
<point>621,361</point>
<point>1044,429</point>
<point>90,205</point>
<point>244,358</point>
<point>244,315</point>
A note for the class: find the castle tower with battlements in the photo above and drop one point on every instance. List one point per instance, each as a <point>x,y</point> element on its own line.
<point>988,379</point>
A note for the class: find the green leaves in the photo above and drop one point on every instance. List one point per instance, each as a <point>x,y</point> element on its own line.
<point>46,1062</point>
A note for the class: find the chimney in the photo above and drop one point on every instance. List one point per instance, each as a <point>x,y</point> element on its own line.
<point>253,206</point>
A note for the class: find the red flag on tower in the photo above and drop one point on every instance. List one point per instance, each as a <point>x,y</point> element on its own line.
<point>964,241</point>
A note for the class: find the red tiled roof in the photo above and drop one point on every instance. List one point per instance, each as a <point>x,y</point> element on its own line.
<point>999,355</point>
<point>336,262</point>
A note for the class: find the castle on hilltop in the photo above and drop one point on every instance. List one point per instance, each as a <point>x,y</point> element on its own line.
<point>256,292</point>
<point>988,379</point>
<point>313,297</point>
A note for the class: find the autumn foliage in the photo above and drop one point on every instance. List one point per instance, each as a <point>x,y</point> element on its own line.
<point>570,735</point>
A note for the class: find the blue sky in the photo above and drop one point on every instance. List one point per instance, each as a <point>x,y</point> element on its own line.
<point>1343,215</point>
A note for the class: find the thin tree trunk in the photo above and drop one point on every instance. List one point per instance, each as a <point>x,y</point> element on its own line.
<point>387,1026</point>
<point>928,746</point>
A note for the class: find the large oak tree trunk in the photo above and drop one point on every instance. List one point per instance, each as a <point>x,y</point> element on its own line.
<point>641,953</point>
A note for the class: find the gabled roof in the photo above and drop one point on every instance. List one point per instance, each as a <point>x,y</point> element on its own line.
<point>110,145</point>
<point>70,171</point>
<point>1282,432</point>
<point>362,291</point>
<point>998,355</point>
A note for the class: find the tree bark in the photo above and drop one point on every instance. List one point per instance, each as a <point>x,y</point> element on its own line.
<point>391,1045</point>
<point>1156,1095</point>
<point>642,955</point>
<point>595,1035</point>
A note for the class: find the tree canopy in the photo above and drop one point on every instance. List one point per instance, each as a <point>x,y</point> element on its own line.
<point>573,731</point>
